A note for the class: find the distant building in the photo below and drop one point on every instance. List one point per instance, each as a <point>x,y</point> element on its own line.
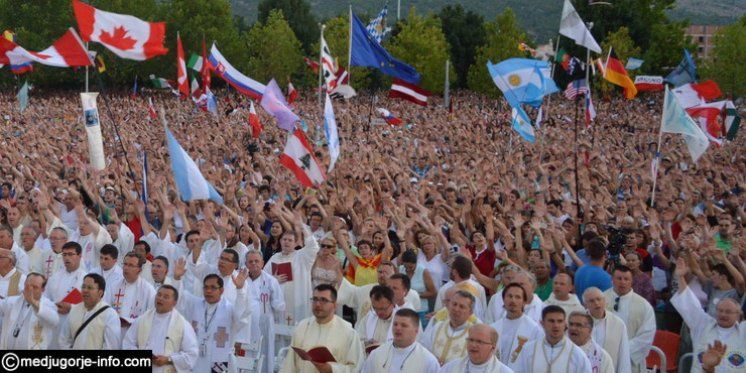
<point>703,38</point>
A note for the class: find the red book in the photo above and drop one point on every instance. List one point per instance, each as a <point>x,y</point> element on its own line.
<point>316,355</point>
<point>283,269</point>
<point>73,297</point>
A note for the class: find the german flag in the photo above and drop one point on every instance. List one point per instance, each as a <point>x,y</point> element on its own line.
<point>617,74</point>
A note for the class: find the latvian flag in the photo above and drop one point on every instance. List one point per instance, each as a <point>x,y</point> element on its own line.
<point>298,157</point>
<point>575,88</point>
<point>409,92</point>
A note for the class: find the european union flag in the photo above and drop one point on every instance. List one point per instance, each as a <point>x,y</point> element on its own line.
<point>367,52</point>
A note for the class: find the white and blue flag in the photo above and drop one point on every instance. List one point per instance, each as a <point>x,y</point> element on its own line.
<point>377,26</point>
<point>190,182</point>
<point>330,129</point>
<point>522,125</point>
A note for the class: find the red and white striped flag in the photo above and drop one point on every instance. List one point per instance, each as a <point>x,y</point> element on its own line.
<point>292,93</point>
<point>181,73</point>
<point>151,109</point>
<point>254,123</point>
<point>298,157</point>
<point>590,110</point>
<point>409,92</point>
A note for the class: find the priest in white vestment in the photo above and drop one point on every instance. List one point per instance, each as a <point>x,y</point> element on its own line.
<point>65,281</point>
<point>122,238</point>
<point>727,328</point>
<point>268,293</point>
<point>516,328</point>
<point>562,295</point>
<point>555,353</point>
<point>28,244</point>
<point>297,290</point>
<point>358,297</point>
<point>215,320</point>
<point>91,236</point>
<point>580,325</point>
<point>11,277</point>
<point>132,295</point>
<point>496,308</point>
<point>447,339</point>
<point>326,329</point>
<point>374,328</point>
<point>609,330</point>
<point>482,347</point>
<point>7,242</point>
<point>91,324</point>
<point>461,274</point>
<point>403,353</point>
<point>167,333</point>
<point>52,259</point>
<point>636,312</point>
<point>29,320</point>
<point>108,268</point>
<point>159,272</point>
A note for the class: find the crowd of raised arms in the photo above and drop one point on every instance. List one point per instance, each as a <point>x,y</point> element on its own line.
<point>446,244</point>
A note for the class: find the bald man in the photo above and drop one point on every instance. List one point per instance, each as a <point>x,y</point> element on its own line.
<point>481,345</point>
<point>706,329</point>
<point>562,295</point>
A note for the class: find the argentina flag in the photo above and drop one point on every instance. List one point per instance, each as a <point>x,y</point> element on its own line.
<point>377,26</point>
<point>522,80</point>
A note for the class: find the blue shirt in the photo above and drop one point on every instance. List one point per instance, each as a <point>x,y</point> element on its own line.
<point>589,276</point>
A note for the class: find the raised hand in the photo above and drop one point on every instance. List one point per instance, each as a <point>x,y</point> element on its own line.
<point>180,268</point>
<point>240,278</point>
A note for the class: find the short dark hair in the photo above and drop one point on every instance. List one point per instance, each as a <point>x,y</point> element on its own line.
<point>409,256</point>
<point>404,280</point>
<point>161,258</point>
<point>110,250</point>
<point>462,265</point>
<point>190,233</point>
<point>552,309</point>
<point>721,269</point>
<point>408,313</point>
<point>215,276</point>
<point>621,268</point>
<point>43,278</point>
<point>587,317</point>
<point>234,255</point>
<point>169,287</point>
<point>98,279</point>
<point>145,245</point>
<point>596,249</point>
<point>467,295</point>
<point>515,285</point>
<point>73,245</point>
<point>379,291</point>
<point>140,258</point>
<point>329,288</point>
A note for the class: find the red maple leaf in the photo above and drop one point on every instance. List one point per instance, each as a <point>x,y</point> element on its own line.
<point>118,38</point>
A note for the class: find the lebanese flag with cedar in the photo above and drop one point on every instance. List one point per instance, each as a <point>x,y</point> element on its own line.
<point>256,125</point>
<point>127,36</point>
<point>298,157</point>
<point>292,93</point>
<point>181,73</point>
<point>67,51</point>
<point>408,91</point>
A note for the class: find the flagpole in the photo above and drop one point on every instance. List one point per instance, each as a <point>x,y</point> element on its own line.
<point>349,49</point>
<point>656,159</point>
<point>86,70</point>
<point>549,98</point>
<point>398,9</point>
<point>446,93</point>
<point>321,64</point>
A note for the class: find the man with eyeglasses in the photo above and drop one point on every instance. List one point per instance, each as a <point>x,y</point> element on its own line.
<point>28,244</point>
<point>447,339</point>
<point>132,295</point>
<point>375,326</point>
<point>226,267</point>
<point>29,320</point>
<point>92,324</point>
<point>516,327</point>
<point>403,353</point>
<point>215,320</point>
<point>270,301</point>
<point>326,329</point>
<point>580,331</point>
<point>609,330</point>
<point>635,311</point>
<point>726,327</point>
<point>65,281</point>
<point>52,259</point>
<point>358,297</point>
<point>481,346</point>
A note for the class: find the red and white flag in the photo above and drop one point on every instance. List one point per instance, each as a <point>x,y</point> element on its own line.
<point>292,93</point>
<point>151,109</point>
<point>181,73</point>
<point>649,83</point>
<point>298,157</point>
<point>67,51</point>
<point>127,36</point>
<point>409,92</point>
<point>256,125</point>
<point>388,117</point>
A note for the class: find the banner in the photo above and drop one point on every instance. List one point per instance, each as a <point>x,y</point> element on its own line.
<point>93,130</point>
<point>649,83</point>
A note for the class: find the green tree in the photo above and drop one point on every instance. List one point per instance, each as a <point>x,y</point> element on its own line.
<point>337,36</point>
<point>667,43</point>
<point>728,54</point>
<point>624,48</point>
<point>464,31</point>
<point>298,15</point>
<point>502,38</point>
<point>275,52</point>
<point>422,44</point>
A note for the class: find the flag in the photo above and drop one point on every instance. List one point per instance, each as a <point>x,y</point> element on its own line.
<point>23,97</point>
<point>195,62</point>
<point>242,83</point>
<point>328,66</point>
<point>194,87</point>
<point>343,91</point>
<point>732,121</point>
<point>590,110</point>
<point>212,103</point>
<point>685,72</point>
<point>67,51</point>
<point>311,64</point>
<point>409,92</point>
<point>144,194</point>
<point>694,94</point>
<point>100,65</point>
<point>343,77</point>
<point>388,117</point>
<point>298,157</point>
<point>573,27</point>
<point>633,63</point>
<point>189,180</point>
<point>151,110</point>
<point>573,67</point>
<point>615,73</point>
<point>366,51</point>
<point>648,83</point>
<point>522,125</point>
<point>274,103</point>
<point>713,119</point>
<point>676,120</point>
<point>254,123</point>
<point>377,26</point>
<point>330,130</point>
<point>181,72</point>
<point>292,93</point>
<point>204,72</point>
<point>127,36</point>
<point>160,83</point>
<point>575,88</point>
<point>598,63</point>
<point>522,80</point>
<point>134,88</point>
<point>93,130</point>
<point>708,90</point>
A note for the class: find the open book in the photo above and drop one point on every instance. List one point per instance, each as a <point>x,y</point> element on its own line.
<point>316,355</point>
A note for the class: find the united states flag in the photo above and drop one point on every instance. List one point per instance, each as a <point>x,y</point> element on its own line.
<point>575,88</point>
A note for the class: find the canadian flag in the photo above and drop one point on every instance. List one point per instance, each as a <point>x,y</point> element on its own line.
<point>292,93</point>
<point>298,157</point>
<point>67,51</point>
<point>127,36</point>
<point>181,73</point>
<point>256,126</point>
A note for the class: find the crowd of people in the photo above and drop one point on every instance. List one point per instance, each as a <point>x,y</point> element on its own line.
<point>446,244</point>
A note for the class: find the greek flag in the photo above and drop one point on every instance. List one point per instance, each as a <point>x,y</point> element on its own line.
<point>377,26</point>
